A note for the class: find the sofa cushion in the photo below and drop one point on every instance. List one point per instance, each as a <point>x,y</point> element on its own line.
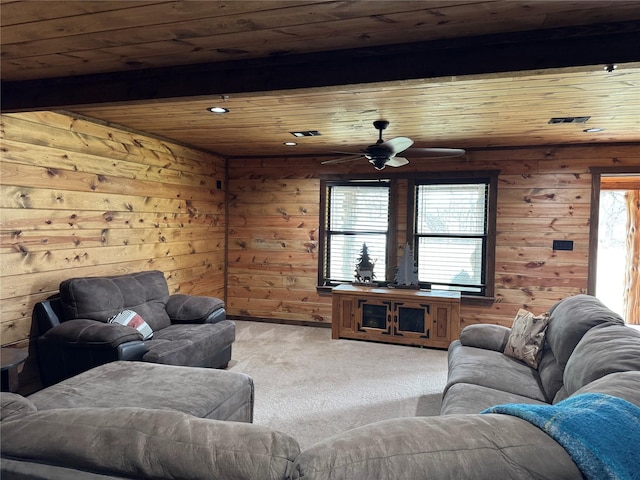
<point>447,447</point>
<point>571,318</point>
<point>492,369</point>
<point>189,344</point>
<point>527,337</point>
<point>100,298</point>
<point>146,443</point>
<point>468,398</point>
<point>202,392</point>
<point>625,385</point>
<point>14,406</point>
<point>604,349</point>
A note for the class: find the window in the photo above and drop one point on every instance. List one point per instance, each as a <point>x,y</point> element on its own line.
<point>448,217</point>
<point>454,235</point>
<point>357,213</point>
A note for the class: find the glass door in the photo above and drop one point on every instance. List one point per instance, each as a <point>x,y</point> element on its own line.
<point>412,320</point>
<point>375,316</point>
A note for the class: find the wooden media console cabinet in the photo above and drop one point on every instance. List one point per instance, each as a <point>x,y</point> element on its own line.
<point>428,318</point>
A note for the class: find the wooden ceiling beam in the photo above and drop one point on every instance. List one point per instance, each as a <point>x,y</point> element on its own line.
<point>497,53</point>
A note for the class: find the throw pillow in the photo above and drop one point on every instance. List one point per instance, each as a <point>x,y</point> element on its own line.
<point>132,319</point>
<point>527,337</point>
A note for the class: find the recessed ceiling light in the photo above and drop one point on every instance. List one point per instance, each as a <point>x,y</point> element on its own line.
<point>218,110</point>
<point>593,130</point>
<point>290,144</point>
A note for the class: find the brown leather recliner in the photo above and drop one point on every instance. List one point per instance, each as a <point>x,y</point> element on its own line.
<point>76,335</point>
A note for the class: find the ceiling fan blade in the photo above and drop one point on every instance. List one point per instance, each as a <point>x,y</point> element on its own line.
<point>350,158</point>
<point>435,152</point>
<point>398,144</point>
<point>397,162</point>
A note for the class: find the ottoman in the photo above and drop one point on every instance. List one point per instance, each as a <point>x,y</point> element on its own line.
<point>202,392</point>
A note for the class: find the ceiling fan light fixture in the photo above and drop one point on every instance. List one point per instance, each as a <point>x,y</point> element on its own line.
<point>379,162</point>
<point>383,154</point>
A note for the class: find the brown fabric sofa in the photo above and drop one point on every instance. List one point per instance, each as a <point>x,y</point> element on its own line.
<point>582,320</point>
<point>592,350</point>
<point>587,349</point>
<point>76,335</point>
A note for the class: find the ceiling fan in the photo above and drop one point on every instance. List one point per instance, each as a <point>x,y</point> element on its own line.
<point>383,154</point>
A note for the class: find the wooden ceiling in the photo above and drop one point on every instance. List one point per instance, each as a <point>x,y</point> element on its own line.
<point>466,74</point>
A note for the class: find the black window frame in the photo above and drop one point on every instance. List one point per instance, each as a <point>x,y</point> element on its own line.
<point>490,178</point>
<point>408,179</point>
<point>382,278</point>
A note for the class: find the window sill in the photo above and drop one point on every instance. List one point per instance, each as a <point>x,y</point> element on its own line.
<point>477,301</point>
<point>325,291</point>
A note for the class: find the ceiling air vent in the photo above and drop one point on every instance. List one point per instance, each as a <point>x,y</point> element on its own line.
<point>306,133</point>
<point>569,119</point>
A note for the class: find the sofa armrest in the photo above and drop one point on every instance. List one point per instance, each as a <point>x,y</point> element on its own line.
<point>13,406</point>
<point>77,345</point>
<point>47,314</point>
<point>485,335</point>
<point>132,351</point>
<point>91,332</point>
<point>183,308</point>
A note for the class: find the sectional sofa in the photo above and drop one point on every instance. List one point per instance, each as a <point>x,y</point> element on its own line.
<point>585,353</point>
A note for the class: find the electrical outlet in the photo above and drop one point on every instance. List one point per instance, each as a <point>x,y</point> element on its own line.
<point>563,244</point>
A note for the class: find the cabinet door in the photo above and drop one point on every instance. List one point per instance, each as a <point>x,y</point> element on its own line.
<point>441,322</point>
<point>374,316</point>
<point>346,315</point>
<point>411,320</point>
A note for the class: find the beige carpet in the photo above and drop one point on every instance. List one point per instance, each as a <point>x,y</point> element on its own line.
<point>312,387</point>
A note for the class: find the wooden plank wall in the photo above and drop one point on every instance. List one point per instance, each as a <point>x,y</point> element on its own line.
<point>543,195</point>
<point>82,199</point>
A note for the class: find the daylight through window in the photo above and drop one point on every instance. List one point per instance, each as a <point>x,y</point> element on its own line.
<point>357,214</point>
<point>451,235</point>
<point>449,218</point>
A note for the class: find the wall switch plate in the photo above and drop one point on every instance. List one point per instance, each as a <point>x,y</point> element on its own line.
<point>563,244</point>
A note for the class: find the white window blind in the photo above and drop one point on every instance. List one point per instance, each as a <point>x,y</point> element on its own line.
<point>358,214</point>
<point>451,232</point>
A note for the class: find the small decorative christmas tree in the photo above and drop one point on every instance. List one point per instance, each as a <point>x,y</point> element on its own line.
<point>364,267</point>
<point>407,273</point>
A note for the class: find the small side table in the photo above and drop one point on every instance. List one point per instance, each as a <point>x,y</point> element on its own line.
<point>10,360</point>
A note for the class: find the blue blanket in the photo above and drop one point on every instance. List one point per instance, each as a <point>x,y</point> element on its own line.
<point>600,432</point>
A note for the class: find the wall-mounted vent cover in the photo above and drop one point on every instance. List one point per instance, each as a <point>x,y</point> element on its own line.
<point>306,133</point>
<point>569,119</point>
